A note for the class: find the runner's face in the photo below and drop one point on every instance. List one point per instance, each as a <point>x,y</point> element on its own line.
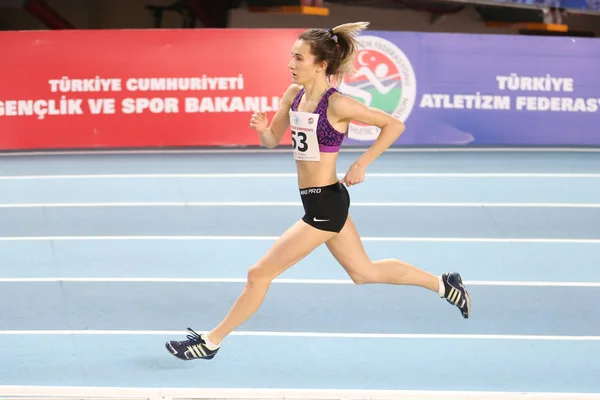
<point>302,64</point>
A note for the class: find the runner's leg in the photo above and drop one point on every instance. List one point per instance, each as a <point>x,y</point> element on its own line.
<point>296,243</point>
<point>348,250</point>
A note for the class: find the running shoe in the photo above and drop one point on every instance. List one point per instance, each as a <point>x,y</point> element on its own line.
<point>193,348</point>
<point>456,293</point>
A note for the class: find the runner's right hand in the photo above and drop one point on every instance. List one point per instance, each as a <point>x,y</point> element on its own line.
<point>259,121</point>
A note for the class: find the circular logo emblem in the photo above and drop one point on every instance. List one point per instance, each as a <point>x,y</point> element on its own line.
<point>384,79</point>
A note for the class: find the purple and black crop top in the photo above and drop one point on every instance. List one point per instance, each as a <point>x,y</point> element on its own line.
<point>330,140</point>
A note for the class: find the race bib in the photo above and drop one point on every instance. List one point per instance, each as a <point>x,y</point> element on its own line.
<point>304,136</point>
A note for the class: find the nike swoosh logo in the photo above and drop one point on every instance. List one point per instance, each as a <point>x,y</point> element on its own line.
<point>320,220</point>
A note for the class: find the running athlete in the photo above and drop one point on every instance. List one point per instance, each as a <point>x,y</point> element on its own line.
<point>319,116</point>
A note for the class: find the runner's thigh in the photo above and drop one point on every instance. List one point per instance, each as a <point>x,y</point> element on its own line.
<point>293,245</point>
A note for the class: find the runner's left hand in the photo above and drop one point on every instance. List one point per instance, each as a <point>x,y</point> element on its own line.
<point>354,176</point>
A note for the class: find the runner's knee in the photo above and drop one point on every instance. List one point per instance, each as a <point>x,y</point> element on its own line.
<point>358,278</point>
<point>258,275</point>
<point>364,274</point>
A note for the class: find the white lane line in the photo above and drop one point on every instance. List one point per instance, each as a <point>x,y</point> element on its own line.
<point>292,204</point>
<point>171,393</point>
<point>260,175</point>
<point>339,335</point>
<point>300,281</point>
<point>273,238</point>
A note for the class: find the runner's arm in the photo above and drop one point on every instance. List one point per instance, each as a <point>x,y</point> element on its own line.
<point>347,109</point>
<point>271,136</point>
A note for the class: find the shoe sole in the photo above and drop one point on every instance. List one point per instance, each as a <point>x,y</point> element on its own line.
<point>467,296</point>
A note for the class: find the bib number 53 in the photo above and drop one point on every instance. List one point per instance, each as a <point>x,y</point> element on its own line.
<point>299,141</point>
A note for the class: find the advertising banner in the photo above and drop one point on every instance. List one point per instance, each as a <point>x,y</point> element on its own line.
<point>177,88</point>
<point>586,5</point>
<point>454,89</point>
<point>139,88</point>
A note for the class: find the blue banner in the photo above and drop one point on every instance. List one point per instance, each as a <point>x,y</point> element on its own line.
<point>456,89</point>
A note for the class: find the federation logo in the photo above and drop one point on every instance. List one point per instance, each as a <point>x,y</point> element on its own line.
<point>384,79</point>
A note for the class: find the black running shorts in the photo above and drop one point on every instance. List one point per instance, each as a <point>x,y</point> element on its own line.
<point>326,207</point>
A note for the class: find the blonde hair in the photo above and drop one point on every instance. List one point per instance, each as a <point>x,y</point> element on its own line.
<point>337,47</point>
